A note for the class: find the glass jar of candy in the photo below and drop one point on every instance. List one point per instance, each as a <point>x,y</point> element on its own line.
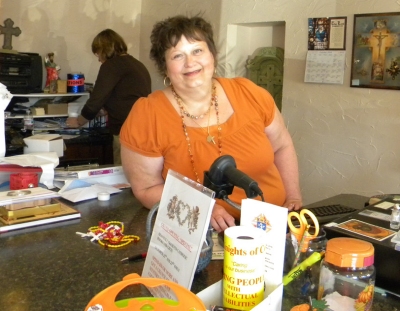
<point>347,275</point>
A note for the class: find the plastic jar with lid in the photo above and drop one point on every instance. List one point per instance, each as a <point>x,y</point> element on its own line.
<point>347,275</point>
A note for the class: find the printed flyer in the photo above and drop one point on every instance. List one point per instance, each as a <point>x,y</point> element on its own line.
<point>272,219</point>
<point>179,232</point>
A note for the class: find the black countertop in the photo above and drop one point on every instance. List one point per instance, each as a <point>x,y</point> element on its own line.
<point>52,268</point>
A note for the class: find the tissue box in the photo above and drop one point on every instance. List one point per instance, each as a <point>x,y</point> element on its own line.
<point>44,143</point>
<point>212,296</point>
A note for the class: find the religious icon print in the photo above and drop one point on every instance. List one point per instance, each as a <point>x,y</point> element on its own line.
<point>366,229</point>
<point>327,33</point>
<point>376,51</point>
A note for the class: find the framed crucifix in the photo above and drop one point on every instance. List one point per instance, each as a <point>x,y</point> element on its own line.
<point>376,51</point>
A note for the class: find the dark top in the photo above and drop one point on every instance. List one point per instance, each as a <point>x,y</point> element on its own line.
<point>120,82</point>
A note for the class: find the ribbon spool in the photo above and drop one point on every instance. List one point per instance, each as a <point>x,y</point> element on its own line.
<point>244,265</point>
<point>75,82</point>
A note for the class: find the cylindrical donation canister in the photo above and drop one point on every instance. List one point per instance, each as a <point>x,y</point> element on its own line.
<point>244,266</point>
<point>75,82</point>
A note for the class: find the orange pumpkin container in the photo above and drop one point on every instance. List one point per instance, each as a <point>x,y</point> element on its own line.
<point>348,274</point>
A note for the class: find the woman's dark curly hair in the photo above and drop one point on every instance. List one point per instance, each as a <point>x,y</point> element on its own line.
<point>167,33</point>
<point>108,44</point>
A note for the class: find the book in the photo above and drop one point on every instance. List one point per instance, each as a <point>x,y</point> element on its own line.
<point>87,173</point>
<point>64,213</point>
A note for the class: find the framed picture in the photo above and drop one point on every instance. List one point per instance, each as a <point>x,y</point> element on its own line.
<point>327,33</point>
<point>376,51</point>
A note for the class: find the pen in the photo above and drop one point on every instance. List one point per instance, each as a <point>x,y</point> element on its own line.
<point>135,257</point>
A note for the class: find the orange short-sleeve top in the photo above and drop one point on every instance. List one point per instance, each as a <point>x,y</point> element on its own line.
<point>154,129</point>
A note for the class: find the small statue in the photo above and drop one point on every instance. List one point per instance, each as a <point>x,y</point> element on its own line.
<point>52,74</point>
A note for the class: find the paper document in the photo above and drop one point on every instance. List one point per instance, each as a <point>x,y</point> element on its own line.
<point>179,232</point>
<point>78,190</point>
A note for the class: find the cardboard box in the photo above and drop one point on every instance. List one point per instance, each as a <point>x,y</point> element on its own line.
<point>37,111</point>
<point>56,108</point>
<point>44,143</point>
<point>61,86</point>
<point>212,296</point>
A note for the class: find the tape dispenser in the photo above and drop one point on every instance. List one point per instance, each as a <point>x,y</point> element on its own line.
<point>106,299</point>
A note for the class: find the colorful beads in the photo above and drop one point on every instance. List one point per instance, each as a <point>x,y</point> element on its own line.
<point>110,234</point>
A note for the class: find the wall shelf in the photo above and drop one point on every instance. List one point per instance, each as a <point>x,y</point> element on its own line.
<point>47,95</point>
<point>75,102</point>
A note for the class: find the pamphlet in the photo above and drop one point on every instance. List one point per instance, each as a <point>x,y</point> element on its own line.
<point>272,219</point>
<point>179,232</point>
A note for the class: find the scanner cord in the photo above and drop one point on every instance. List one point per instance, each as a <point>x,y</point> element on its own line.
<point>231,203</point>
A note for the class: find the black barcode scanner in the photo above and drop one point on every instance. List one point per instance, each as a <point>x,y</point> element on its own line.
<point>223,176</point>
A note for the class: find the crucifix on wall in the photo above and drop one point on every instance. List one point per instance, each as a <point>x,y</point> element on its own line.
<point>379,43</point>
<point>376,51</point>
<point>8,31</point>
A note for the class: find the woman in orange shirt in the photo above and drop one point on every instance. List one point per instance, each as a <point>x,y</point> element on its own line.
<point>198,118</point>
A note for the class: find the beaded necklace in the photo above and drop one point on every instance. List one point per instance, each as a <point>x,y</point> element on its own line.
<point>213,102</point>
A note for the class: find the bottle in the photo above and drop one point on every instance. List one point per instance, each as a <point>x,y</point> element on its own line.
<point>395,218</point>
<point>348,270</point>
<point>28,121</point>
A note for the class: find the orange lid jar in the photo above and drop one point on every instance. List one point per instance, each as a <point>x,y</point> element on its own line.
<point>347,274</point>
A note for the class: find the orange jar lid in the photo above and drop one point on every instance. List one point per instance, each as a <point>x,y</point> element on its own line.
<point>349,253</point>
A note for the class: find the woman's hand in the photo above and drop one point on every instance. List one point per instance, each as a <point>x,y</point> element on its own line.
<point>293,204</point>
<point>221,219</point>
<point>75,122</point>
<point>72,122</point>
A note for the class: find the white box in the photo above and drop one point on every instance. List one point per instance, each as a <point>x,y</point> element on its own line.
<point>212,296</point>
<point>44,143</point>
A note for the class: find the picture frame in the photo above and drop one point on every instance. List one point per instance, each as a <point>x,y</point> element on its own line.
<point>327,33</point>
<point>376,51</point>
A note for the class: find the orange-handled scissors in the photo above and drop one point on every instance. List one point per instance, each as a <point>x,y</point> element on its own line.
<point>303,222</point>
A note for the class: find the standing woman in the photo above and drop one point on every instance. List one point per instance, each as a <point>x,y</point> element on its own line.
<point>121,81</point>
<point>197,117</point>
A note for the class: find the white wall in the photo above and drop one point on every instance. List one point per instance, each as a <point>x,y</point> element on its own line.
<point>346,138</point>
<point>67,28</point>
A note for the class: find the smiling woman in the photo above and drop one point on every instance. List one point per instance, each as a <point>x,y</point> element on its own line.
<point>199,117</point>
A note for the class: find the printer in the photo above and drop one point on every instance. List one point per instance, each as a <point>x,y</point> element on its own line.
<point>21,73</point>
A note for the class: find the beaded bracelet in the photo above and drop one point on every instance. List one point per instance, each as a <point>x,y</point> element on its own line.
<point>110,234</point>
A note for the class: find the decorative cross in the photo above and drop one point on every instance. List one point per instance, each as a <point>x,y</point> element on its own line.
<point>378,41</point>
<point>8,31</point>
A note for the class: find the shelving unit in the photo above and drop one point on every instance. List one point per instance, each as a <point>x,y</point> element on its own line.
<point>33,97</point>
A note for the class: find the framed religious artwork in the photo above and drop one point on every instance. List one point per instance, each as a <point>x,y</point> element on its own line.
<point>376,51</point>
<point>327,33</point>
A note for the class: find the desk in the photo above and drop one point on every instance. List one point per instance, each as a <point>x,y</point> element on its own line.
<point>52,268</point>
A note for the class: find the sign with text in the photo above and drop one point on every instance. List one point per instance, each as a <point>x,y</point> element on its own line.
<point>179,232</point>
<point>273,220</point>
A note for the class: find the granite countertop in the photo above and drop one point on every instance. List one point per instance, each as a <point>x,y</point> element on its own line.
<point>52,268</point>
